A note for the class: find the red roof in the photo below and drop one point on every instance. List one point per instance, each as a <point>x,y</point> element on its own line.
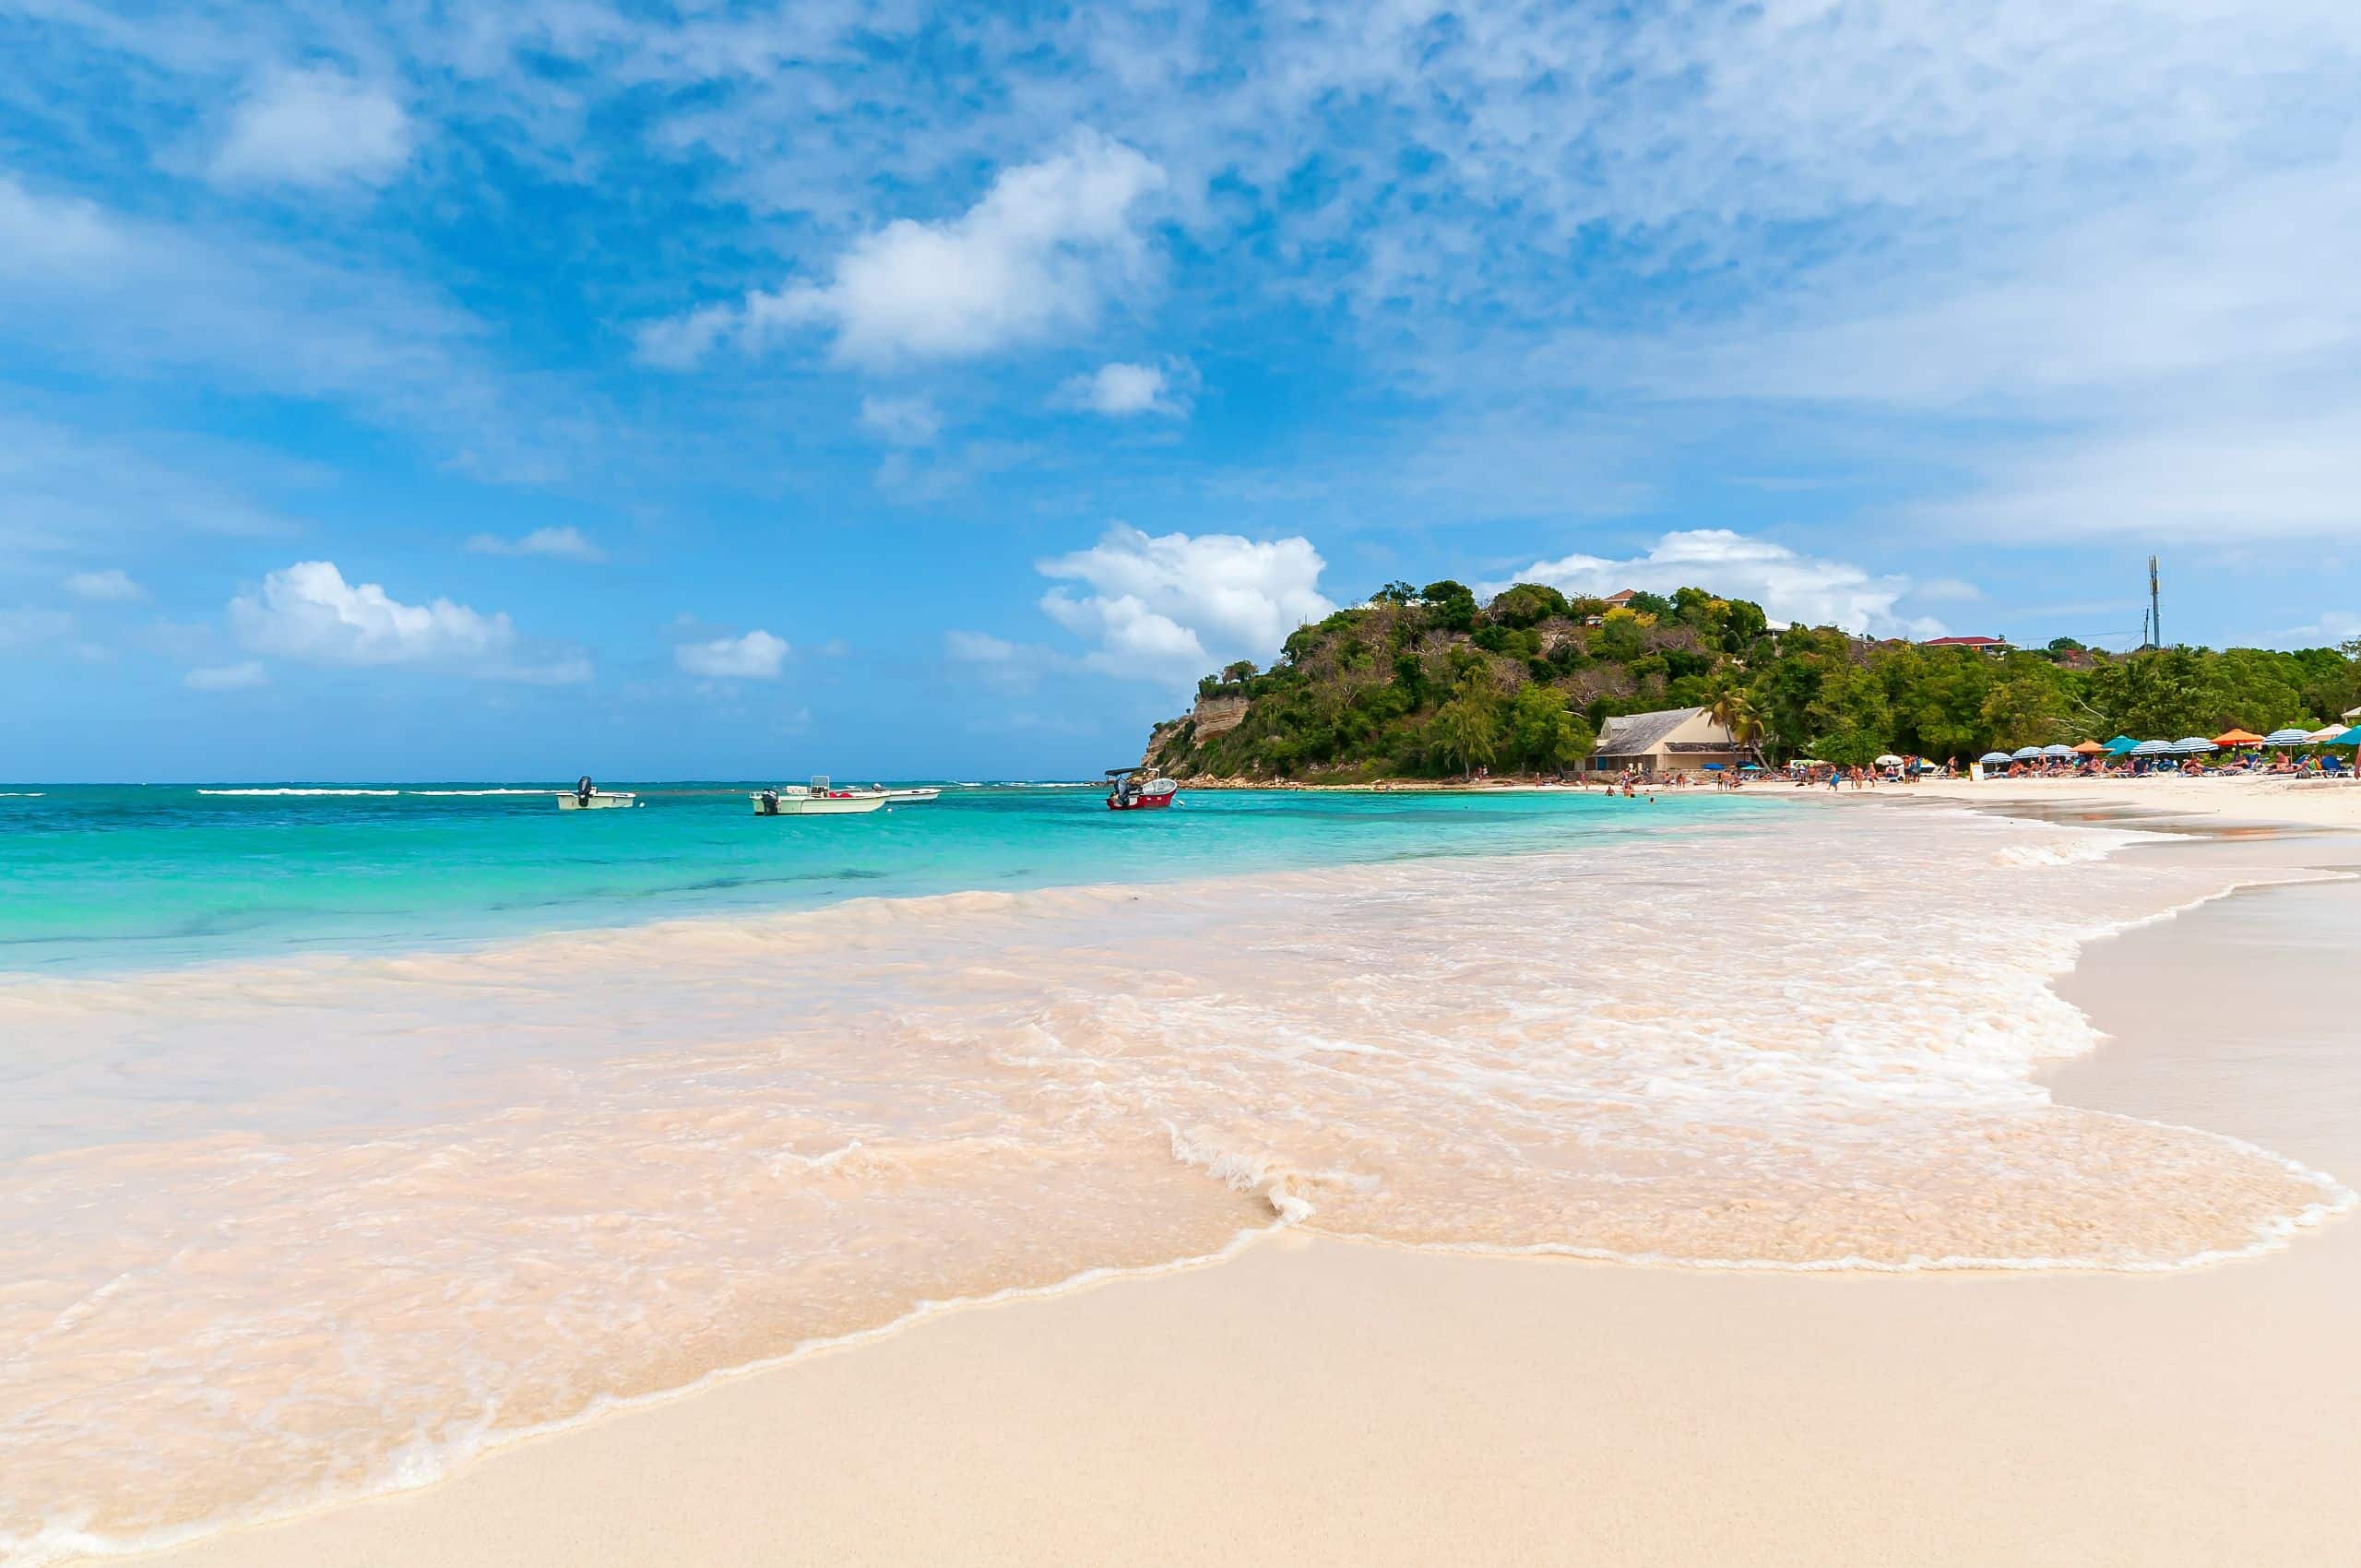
<point>1964,642</point>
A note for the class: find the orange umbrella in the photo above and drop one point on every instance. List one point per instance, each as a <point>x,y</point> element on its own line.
<point>2090,748</point>
<point>2238,738</point>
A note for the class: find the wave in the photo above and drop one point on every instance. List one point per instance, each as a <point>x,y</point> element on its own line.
<point>807,1128</point>
<point>290,790</point>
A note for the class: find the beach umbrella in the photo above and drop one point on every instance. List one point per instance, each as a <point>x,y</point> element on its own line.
<point>2089,748</point>
<point>1887,759</point>
<point>2025,753</point>
<point>2058,751</point>
<point>2121,745</point>
<point>2350,738</point>
<point>2288,737</point>
<point>2325,736</point>
<point>1996,759</point>
<point>2193,746</point>
<point>2152,748</point>
<point>2238,738</point>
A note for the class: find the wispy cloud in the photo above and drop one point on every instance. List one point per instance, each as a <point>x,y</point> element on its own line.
<point>111,586</point>
<point>1121,389</point>
<point>313,128</point>
<point>559,543</point>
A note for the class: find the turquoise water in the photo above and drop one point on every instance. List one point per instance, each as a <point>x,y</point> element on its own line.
<point>120,877</point>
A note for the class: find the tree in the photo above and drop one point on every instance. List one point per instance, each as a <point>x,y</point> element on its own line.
<point>1450,605</point>
<point>1622,635</point>
<point>1852,720</point>
<point>1543,733</point>
<point>1238,673</point>
<point>1466,728</point>
<point>1727,704</point>
<point>1395,592</point>
<point>2026,708</point>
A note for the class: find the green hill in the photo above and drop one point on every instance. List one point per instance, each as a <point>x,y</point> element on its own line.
<point>1427,683</point>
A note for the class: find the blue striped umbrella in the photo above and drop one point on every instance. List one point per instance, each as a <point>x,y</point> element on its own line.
<point>2152,748</point>
<point>2025,753</point>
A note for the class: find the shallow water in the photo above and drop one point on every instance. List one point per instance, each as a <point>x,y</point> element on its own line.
<point>275,1230</point>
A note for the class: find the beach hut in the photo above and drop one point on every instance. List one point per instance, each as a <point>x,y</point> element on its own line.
<point>2232,738</point>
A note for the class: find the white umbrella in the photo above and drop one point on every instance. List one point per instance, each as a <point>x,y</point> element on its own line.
<point>2025,753</point>
<point>2152,748</point>
<point>2327,732</point>
<point>1995,759</point>
<point>2058,751</point>
<point>2193,746</point>
<point>1888,760</point>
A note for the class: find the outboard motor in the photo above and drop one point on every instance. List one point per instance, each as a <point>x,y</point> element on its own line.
<point>584,789</point>
<point>770,803</point>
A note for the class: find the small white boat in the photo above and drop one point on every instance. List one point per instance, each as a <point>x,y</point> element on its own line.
<point>818,799</point>
<point>910,797</point>
<point>588,796</point>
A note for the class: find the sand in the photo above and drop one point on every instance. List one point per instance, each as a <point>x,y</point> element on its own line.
<point>1312,1401</point>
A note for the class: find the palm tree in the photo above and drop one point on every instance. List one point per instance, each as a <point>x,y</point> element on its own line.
<point>1728,706</point>
<point>1465,729</point>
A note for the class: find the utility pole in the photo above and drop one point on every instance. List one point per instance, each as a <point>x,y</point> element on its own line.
<point>2155,612</point>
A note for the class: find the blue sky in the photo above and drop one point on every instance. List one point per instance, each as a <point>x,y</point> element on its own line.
<point>715,389</point>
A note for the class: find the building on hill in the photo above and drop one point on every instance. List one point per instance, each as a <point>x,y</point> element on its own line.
<point>1668,741</point>
<point>1993,646</point>
<point>1621,600</point>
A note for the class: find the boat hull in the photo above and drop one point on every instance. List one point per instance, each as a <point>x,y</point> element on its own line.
<point>818,805</point>
<point>573,803</point>
<point>1142,803</point>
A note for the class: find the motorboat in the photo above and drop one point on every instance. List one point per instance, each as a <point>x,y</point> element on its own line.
<point>587,796</point>
<point>1137,789</point>
<point>909,797</point>
<point>816,799</point>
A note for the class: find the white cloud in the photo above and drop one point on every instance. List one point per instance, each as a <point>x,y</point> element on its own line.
<point>1789,586</point>
<point>905,421</point>
<point>754,656</point>
<point>1002,665</point>
<point>113,585</point>
<point>560,543</point>
<point>1120,390</point>
<point>28,626</point>
<point>308,612</point>
<point>1164,608</point>
<point>1037,257</point>
<point>314,127</point>
<point>227,677</point>
<point>1946,590</point>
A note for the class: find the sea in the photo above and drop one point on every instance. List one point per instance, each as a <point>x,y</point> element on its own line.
<point>349,1130</point>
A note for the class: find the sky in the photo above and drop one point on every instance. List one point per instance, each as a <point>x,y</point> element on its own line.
<point>679,390</point>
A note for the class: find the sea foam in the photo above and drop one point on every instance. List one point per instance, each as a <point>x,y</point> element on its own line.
<point>335,1224</point>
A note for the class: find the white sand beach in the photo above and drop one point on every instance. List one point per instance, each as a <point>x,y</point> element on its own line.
<point>1319,1401</point>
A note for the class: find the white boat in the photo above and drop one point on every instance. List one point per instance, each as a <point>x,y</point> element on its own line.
<point>910,797</point>
<point>818,799</point>
<point>588,796</point>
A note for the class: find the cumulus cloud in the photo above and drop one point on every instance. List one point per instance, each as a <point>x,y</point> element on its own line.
<point>113,585</point>
<point>754,656</point>
<point>1035,257</point>
<point>1120,390</point>
<point>226,677</point>
<point>314,127</point>
<point>905,421</point>
<point>562,544</point>
<point>1789,586</point>
<point>1163,608</point>
<point>309,613</point>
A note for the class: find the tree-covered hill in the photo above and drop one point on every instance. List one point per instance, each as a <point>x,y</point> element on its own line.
<point>1430,682</point>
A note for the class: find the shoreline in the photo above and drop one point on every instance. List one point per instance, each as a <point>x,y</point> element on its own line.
<point>459,1517</point>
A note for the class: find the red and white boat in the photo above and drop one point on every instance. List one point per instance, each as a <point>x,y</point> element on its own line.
<point>1133,789</point>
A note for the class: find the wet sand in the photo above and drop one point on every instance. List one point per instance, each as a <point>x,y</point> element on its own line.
<point>1318,1401</point>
